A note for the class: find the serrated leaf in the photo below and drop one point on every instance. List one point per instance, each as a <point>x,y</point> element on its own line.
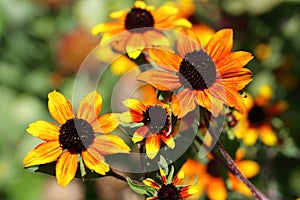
<point>141,189</point>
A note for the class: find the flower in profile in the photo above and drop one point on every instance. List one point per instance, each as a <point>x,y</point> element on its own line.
<point>140,23</point>
<point>169,189</point>
<point>248,168</point>
<point>256,122</point>
<point>75,138</point>
<point>209,178</point>
<point>156,124</point>
<point>209,76</point>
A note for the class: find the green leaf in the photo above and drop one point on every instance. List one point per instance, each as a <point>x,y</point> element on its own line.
<point>170,175</point>
<point>141,189</point>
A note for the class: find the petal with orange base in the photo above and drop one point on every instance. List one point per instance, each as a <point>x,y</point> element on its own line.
<point>187,42</point>
<point>264,95</point>
<point>59,107</point>
<point>140,134</point>
<point>135,105</point>
<point>43,153</point>
<point>161,80</point>
<point>178,177</point>
<point>163,176</point>
<point>152,145</point>
<point>94,162</point>
<point>206,100</point>
<point>183,102</point>
<point>188,191</point>
<point>166,59</point>
<point>215,189</point>
<point>106,123</point>
<point>110,144</point>
<point>66,168</point>
<point>90,107</point>
<point>151,183</point>
<point>111,26</point>
<point>168,141</point>
<point>44,130</point>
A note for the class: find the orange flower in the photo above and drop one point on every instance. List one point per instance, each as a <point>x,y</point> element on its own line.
<point>248,168</point>
<point>170,190</point>
<point>156,124</point>
<point>75,137</point>
<point>140,23</point>
<point>256,121</point>
<point>209,76</point>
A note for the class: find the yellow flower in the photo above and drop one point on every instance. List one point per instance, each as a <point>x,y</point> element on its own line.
<point>170,191</point>
<point>209,76</point>
<point>139,23</point>
<point>156,124</point>
<point>256,121</point>
<point>75,136</point>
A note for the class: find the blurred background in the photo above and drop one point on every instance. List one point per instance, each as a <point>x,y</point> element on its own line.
<point>43,43</point>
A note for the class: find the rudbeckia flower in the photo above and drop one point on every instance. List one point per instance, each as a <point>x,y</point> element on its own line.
<point>209,76</point>
<point>170,190</point>
<point>75,137</point>
<point>156,124</point>
<point>256,121</point>
<point>248,168</point>
<point>139,23</point>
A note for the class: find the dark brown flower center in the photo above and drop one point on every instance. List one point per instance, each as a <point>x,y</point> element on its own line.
<point>197,70</point>
<point>157,120</point>
<point>138,18</point>
<point>75,135</point>
<point>212,168</point>
<point>169,192</point>
<point>256,116</point>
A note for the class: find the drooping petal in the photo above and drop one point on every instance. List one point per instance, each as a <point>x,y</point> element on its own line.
<point>106,123</point>
<point>44,130</point>
<point>248,168</point>
<point>59,107</point>
<point>183,103</point>
<point>135,105</point>
<point>216,189</point>
<point>151,183</point>
<point>155,38</point>
<point>267,135</point>
<point>188,191</point>
<point>152,145</point>
<point>166,59</point>
<point>187,42</point>
<point>135,45</point>
<point>168,141</point>
<point>90,107</point>
<point>140,134</point>
<point>66,168</point>
<point>110,144</point>
<point>43,153</point>
<point>95,161</point>
<point>234,99</point>
<point>206,100</point>
<point>161,80</point>
<point>220,45</point>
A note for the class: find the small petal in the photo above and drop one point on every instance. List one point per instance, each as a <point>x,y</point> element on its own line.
<point>66,168</point>
<point>90,107</point>
<point>151,183</point>
<point>140,134</point>
<point>44,130</point>
<point>152,145</point>
<point>59,107</point>
<point>110,144</point>
<point>161,80</point>
<point>95,161</point>
<point>44,153</point>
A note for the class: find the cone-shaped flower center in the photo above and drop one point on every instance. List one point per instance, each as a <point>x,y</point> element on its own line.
<point>168,192</point>
<point>156,119</point>
<point>75,135</point>
<point>197,70</point>
<point>138,18</point>
<point>256,116</point>
<point>212,168</point>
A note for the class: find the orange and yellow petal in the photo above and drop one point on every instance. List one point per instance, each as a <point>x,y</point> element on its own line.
<point>155,38</point>
<point>161,80</point>
<point>169,141</point>
<point>95,161</point>
<point>152,145</point>
<point>188,191</point>
<point>267,135</point>
<point>216,189</point>
<point>234,99</point>
<point>204,32</point>
<point>250,136</point>
<point>131,116</point>
<point>178,177</point>
<point>90,107</point>
<point>238,79</point>
<point>248,168</point>
<point>220,45</point>
<point>167,60</point>
<point>151,183</point>
<point>163,176</point>
<point>187,42</point>
<point>135,45</point>
<point>106,123</point>
<point>264,95</point>
<point>212,104</point>
<point>135,105</point>
<point>152,198</point>
<point>44,153</point>
<point>140,134</point>
<point>59,107</point>
<point>44,130</point>
<point>239,186</point>
<point>233,62</point>
<point>183,102</point>
<point>104,27</point>
<point>110,144</point>
<point>66,168</point>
